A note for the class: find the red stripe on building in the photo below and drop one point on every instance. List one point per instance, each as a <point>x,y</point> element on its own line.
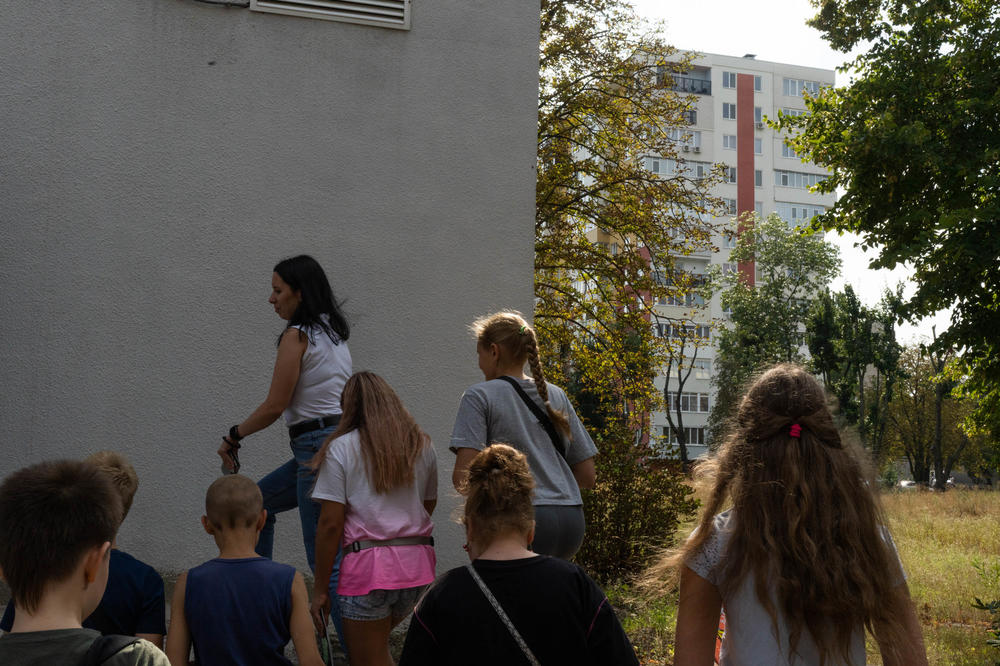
<point>744,161</point>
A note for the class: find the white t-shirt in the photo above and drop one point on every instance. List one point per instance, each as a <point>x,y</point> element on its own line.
<point>749,639</point>
<point>326,367</point>
<point>369,516</point>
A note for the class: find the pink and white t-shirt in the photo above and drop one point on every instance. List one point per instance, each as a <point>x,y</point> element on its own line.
<point>369,516</point>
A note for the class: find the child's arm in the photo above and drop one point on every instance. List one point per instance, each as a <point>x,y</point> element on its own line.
<point>300,625</point>
<point>178,637</point>
<point>329,533</point>
<point>697,620</point>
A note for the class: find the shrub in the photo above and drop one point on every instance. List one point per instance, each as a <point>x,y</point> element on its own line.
<point>633,511</point>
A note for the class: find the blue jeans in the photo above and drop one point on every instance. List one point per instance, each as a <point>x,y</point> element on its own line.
<point>289,487</point>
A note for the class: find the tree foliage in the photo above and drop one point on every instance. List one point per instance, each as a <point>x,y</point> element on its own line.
<point>854,348</point>
<point>765,325</point>
<point>914,143</point>
<point>603,110</point>
<point>606,231</point>
<point>925,418</point>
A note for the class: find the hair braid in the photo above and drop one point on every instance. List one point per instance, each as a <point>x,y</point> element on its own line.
<point>531,343</point>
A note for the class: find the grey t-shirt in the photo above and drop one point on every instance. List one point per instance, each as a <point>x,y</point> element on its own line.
<point>67,646</point>
<point>749,639</point>
<point>492,412</point>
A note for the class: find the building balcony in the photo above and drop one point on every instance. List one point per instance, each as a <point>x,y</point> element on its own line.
<point>690,85</point>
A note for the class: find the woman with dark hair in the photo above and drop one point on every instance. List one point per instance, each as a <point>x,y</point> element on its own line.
<point>312,367</point>
<point>511,605</point>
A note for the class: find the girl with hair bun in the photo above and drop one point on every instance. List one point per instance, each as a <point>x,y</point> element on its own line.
<point>511,605</point>
<point>802,562</point>
<point>534,417</point>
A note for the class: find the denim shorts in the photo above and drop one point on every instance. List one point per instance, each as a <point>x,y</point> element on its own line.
<point>379,604</point>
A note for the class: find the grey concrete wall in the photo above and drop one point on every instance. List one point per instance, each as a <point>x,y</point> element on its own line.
<point>157,158</point>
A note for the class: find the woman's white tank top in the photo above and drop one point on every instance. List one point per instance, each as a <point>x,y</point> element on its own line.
<point>325,368</point>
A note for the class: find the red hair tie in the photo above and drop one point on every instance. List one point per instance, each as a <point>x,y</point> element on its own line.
<point>795,430</point>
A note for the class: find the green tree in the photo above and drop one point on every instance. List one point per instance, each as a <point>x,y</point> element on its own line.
<point>925,417</point>
<point>607,229</point>
<point>854,347</point>
<point>914,144</point>
<point>766,322</point>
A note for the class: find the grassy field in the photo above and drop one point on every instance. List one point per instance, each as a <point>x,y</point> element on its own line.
<point>941,538</point>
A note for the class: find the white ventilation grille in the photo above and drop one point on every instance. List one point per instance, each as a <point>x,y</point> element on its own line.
<point>384,13</point>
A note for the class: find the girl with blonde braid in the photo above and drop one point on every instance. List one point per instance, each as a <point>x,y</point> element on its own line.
<point>559,450</point>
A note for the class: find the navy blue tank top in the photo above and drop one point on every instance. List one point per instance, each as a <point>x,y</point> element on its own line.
<point>238,611</point>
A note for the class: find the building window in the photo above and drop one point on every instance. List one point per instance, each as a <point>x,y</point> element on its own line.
<point>795,113</point>
<point>728,111</point>
<point>729,241</point>
<point>794,87</point>
<point>730,174</point>
<point>693,436</point>
<point>690,116</point>
<point>757,84</point>
<point>730,267</point>
<point>758,207</point>
<point>729,141</point>
<point>688,332</point>
<point>688,402</point>
<point>653,164</point>
<point>758,178</point>
<point>730,205</point>
<point>729,79</point>
<point>758,146</point>
<point>797,179</point>
<point>796,214</point>
<point>702,368</point>
<point>786,151</point>
<point>758,114</point>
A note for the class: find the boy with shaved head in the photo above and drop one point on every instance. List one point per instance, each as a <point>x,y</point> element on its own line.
<point>239,608</point>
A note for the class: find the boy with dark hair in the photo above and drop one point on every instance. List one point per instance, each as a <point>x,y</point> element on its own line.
<point>133,601</point>
<point>239,608</point>
<point>57,521</point>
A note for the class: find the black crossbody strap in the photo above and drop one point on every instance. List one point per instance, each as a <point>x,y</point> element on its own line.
<point>105,647</point>
<point>540,414</point>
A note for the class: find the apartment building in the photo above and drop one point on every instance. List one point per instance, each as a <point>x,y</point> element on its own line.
<point>734,95</point>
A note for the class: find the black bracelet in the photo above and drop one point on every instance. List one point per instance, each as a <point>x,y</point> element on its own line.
<point>234,433</point>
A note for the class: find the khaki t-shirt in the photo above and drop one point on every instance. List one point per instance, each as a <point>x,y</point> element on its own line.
<point>68,646</point>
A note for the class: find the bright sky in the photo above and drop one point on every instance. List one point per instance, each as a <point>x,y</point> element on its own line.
<point>777,31</point>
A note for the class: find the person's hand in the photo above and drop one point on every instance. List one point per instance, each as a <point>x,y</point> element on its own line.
<point>226,451</point>
<point>321,601</point>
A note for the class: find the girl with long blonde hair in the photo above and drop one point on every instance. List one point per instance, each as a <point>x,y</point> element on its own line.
<point>377,488</point>
<point>534,417</point>
<point>801,561</point>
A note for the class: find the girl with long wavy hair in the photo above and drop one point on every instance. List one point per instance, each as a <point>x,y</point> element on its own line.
<point>801,561</point>
<point>377,488</point>
<point>548,431</point>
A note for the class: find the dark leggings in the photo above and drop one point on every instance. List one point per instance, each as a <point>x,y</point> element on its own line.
<point>558,530</point>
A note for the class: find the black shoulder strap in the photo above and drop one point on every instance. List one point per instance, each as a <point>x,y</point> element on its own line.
<point>540,414</point>
<point>105,647</point>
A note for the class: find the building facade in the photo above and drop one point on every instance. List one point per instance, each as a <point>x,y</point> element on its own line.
<point>160,157</point>
<point>734,95</point>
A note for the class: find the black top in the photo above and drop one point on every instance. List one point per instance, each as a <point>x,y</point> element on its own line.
<point>559,611</point>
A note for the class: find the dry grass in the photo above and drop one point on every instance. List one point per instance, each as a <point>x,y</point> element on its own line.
<point>941,537</point>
